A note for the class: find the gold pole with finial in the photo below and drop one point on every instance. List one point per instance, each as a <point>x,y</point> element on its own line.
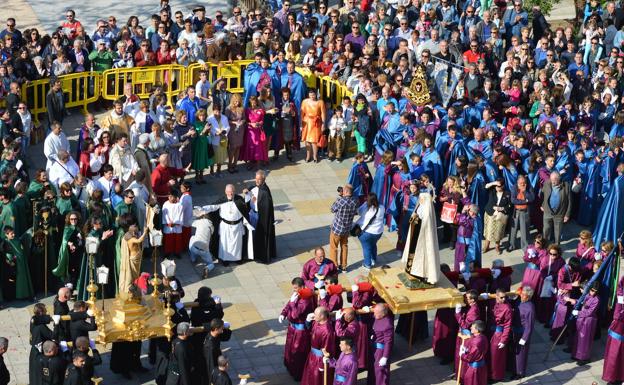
<point>155,281</point>
<point>92,287</point>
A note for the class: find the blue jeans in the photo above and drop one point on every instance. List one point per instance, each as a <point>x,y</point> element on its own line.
<point>369,248</point>
<point>204,255</point>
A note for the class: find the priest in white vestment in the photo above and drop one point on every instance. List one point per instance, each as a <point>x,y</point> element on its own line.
<point>234,217</point>
<point>54,142</point>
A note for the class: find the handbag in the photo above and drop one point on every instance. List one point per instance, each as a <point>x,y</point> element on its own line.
<point>356,230</point>
<point>449,213</point>
<point>210,150</point>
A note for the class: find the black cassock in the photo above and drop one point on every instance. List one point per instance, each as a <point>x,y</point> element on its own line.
<point>264,233</point>
<point>39,333</point>
<point>219,377</point>
<point>73,376</point>
<point>49,370</point>
<point>212,348</point>
<point>180,367</point>
<point>5,376</point>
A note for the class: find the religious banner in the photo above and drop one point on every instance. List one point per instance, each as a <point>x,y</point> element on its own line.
<point>446,75</point>
<point>418,91</point>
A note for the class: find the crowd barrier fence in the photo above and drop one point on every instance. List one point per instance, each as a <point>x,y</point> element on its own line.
<point>84,88</point>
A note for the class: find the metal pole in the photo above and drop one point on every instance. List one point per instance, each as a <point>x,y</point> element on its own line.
<point>45,264</point>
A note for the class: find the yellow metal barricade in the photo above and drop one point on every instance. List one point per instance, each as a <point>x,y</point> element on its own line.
<point>333,90</point>
<point>233,73</point>
<point>79,90</point>
<point>171,77</point>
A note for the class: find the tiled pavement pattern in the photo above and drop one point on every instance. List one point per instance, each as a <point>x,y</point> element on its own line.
<point>254,294</point>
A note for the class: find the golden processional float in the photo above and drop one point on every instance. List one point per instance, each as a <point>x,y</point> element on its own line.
<point>130,316</point>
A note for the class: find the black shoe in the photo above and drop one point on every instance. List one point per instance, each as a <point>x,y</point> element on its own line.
<point>509,249</point>
<point>582,362</point>
<point>225,263</point>
<point>516,377</point>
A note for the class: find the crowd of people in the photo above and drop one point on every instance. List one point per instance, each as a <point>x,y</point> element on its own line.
<point>521,133</point>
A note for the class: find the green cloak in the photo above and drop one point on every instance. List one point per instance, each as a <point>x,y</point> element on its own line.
<point>7,217</point>
<point>122,208</point>
<point>23,282</point>
<point>61,270</point>
<point>21,205</point>
<point>83,279</point>
<point>67,205</point>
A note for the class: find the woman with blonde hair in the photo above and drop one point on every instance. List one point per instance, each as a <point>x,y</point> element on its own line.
<point>235,114</point>
<point>585,250</point>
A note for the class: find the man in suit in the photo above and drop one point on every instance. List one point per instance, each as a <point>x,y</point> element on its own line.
<point>556,206</point>
<point>55,103</point>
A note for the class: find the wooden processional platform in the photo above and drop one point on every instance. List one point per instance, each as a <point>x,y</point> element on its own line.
<point>402,300</point>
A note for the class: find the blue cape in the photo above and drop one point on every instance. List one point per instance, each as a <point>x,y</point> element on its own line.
<point>356,179</point>
<point>252,77</point>
<point>588,197</point>
<point>473,254</point>
<point>563,163</point>
<point>298,87</point>
<point>389,137</point>
<point>610,220</point>
<point>511,176</point>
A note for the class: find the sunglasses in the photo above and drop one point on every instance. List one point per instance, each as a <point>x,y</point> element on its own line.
<point>554,254</point>
<point>237,13</point>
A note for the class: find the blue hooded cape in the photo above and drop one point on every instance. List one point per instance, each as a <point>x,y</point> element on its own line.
<point>298,87</point>
<point>252,77</point>
<point>588,197</point>
<point>355,178</point>
<point>610,220</point>
<point>389,137</point>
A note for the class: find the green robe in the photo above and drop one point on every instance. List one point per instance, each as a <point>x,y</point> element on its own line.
<point>23,282</point>
<point>118,237</point>
<point>62,269</point>
<point>21,205</point>
<point>122,208</point>
<point>7,216</point>
<point>35,190</point>
<point>67,205</point>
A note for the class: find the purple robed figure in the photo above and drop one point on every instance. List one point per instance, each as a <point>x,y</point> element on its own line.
<point>474,370</point>
<point>297,344</point>
<point>502,316</point>
<point>524,321</point>
<point>586,322</point>
<point>326,268</point>
<point>532,257</point>
<point>345,369</point>
<point>362,298</point>
<point>332,302</point>
<point>464,234</point>
<point>382,340</point>
<point>612,368</point>
<point>567,287</point>
<point>323,337</point>
<point>350,329</point>
<point>549,267</point>
<point>465,318</point>
<point>445,328</point>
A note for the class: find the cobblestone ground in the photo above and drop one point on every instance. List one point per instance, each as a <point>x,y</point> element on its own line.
<point>254,294</point>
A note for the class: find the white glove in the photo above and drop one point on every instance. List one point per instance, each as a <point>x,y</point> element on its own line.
<point>501,345</point>
<point>532,253</point>
<point>366,309</point>
<point>281,319</point>
<point>338,315</point>
<point>179,305</point>
<point>322,293</point>
<point>325,359</point>
<point>243,381</point>
<point>63,346</point>
<point>319,284</point>
<point>462,265</point>
<point>484,296</point>
<point>598,257</point>
<point>620,299</point>
<point>355,288</point>
<point>56,318</point>
<point>466,275</point>
<point>575,312</point>
<point>294,296</point>
<point>496,273</point>
<point>383,361</point>
<point>174,285</point>
<point>521,342</point>
<point>69,285</point>
<point>90,313</point>
<point>548,278</point>
<point>462,350</point>
<point>217,299</point>
<point>458,308</point>
<point>226,324</point>
<point>554,291</point>
<point>310,317</point>
<point>92,343</point>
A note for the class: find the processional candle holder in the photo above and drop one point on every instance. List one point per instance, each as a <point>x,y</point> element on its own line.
<point>91,244</point>
<point>156,239</point>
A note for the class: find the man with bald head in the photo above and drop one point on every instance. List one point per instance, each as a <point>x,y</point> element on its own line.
<point>233,216</point>
<point>323,339</point>
<point>382,341</point>
<point>163,178</point>
<point>61,307</point>
<point>262,215</point>
<point>556,206</point>
<point>346,325</point>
